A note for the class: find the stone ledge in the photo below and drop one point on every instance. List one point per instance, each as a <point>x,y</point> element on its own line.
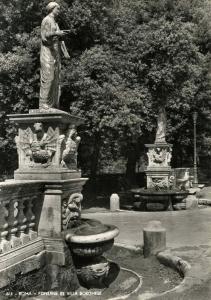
<point>33,256</point>
<point>18,254</point>
<point>27,265</point>
<point>174,262</point>
<point>56,116</point>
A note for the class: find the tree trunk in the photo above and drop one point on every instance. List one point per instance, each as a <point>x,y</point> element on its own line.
<point>132,156</point>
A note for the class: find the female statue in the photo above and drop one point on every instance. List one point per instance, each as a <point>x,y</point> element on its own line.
<point>51,47</point>
<point>161,126</point>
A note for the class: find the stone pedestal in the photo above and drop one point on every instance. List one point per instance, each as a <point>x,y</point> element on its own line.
<point>47,145</point>
<point>154,238</point>
<point>158,170</point>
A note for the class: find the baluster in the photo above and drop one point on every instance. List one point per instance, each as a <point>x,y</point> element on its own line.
<point>4,243</point>
<point>13,224</point>
<point>22,220</point>
<point>31,219</point>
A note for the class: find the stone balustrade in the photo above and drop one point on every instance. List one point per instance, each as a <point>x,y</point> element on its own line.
<point>17,219</point>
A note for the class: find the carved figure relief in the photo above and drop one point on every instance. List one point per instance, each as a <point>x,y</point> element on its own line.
<point>71,210</point>
<point>158,183</point>
<point>159,157</point>
<point>69,155</point>
<point>37,146</point>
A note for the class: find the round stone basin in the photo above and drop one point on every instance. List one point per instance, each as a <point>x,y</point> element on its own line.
<point>91,231</point>
<point>90,238</point>
<point>164,197</point>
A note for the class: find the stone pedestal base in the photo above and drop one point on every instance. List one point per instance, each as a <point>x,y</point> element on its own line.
<point>158,178</point>
<point>47,145</point>
<point>158,170</point>
<point>191,202</point>
<point>154,238</point>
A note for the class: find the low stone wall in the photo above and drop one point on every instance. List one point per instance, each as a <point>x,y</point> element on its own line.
<point>31,225</point>
<point>20,206</point>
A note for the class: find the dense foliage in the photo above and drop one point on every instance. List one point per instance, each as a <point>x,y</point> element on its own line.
<point>127,58</point>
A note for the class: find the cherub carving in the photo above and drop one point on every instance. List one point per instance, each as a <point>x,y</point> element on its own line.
<point>69,156</point>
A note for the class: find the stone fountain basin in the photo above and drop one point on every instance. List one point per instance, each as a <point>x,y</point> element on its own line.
<point>167,197</point>
<point>90,238</point>
<point>95,232</point>
<point>177,194</point>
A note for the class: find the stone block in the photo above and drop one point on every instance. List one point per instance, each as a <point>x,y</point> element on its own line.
<point>191,202</point>
<point>155,206</point>
<point>154,238</point>
<point>25,265</point>
<point>16,255</point>
<point>61,278</point>
<point>57,252</point>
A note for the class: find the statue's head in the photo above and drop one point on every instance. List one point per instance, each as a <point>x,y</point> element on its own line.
<point>53,6</point>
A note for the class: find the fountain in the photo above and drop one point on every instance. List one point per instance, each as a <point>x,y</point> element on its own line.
<point>160,192</point>
<point>41,206</point>
<point>87,240</point>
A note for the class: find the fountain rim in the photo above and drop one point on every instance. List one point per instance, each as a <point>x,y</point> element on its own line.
<point>112,232</point>
<point>144,191</point>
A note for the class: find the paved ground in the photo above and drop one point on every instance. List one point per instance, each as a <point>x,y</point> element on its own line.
<point>184,228</point>
<point>188,236</point>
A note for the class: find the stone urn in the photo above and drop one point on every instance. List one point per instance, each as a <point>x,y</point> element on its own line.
<point>88,240</point>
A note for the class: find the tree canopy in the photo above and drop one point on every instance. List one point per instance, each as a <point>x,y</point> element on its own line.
<point>127,59</point>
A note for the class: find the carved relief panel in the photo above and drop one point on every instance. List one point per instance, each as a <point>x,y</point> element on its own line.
<point>159,157</point>
<point>41,145</point>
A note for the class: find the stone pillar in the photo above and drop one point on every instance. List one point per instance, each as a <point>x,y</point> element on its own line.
<point>154,238</point>
<point>50,219</point>
<point>114,202</point>
<point>191,201</point>
<point>50,226</point>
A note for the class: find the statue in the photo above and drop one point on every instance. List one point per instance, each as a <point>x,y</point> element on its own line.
<point>51,47</point>
<point>69,156</point>
<point>161,126</point>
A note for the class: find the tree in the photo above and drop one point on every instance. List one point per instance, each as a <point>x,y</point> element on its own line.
<point>153,55</point>
<point>127,58</point>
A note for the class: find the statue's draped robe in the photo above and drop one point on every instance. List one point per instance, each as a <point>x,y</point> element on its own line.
<point>50,64</point>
